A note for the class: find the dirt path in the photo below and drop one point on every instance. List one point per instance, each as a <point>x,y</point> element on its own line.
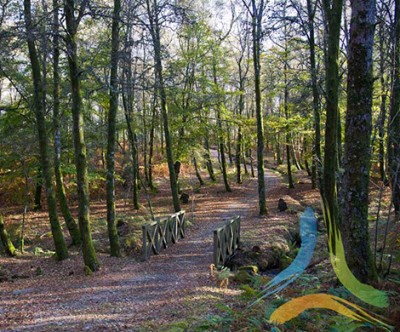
<point>129,295</point>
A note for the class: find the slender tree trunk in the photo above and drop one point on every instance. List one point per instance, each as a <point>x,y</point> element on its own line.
<point>246,171</point>
<point>112,114</point>
<point>222,153</point>
<point>256,34</point>
<point>155,34</point>
<point>220,136</point>
<point>229,146</point>
<point>88,251</point>
<point>198,175</point>
<point>151,145</point>
<point>394,119</point>
<point>67,215</point>
<point>286,101</point>
<point>128,107</point>
<point>357,156</point>
<point>38,190</point>
<point>58,237</point>
<point>317,159</point>
<point>207,157</point>
<point>238,156</point>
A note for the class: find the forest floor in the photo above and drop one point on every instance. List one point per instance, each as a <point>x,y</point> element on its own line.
<point>127,294</point>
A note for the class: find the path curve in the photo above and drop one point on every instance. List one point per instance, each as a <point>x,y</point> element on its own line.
<point>126,294</point>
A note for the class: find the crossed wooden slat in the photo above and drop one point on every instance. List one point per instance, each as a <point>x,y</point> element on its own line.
<point>226,241</point>
<point>161,233</point>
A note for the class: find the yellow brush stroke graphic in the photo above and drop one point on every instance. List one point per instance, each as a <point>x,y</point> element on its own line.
<point>364,292</point>
<point>296,306</point>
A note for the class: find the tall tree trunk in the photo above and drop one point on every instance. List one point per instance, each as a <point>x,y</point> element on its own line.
<point>357,153</point>
<point>256,34</point>
<point>286,108</point>
<point>88,251</point>
<point>151,145</point>
<point>128,108</point>
<point>67,215</point>
<point>394,120</point>
<point>112,114</point>
<point>333,15</point>
<point>58,237</point>
<point>155,34</point>
<point>238,155</point>
<point>317,159</point>
<point>220,134</point>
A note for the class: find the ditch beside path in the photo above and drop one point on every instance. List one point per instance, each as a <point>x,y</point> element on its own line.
<point>139,296</point>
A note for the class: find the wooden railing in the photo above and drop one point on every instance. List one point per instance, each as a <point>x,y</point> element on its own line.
<point>226,241</point>
<point>161,233</point>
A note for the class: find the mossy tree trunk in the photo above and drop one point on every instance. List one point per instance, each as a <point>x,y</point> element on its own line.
<point>5,239</point>
<point>38,96</point>
<point>357,152</point>
<point>333,14</point>
<point>88,251</point>
<point>67,215</point>
<point>112,115</point>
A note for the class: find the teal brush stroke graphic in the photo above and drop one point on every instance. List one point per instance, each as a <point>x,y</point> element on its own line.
<point>308,234</point>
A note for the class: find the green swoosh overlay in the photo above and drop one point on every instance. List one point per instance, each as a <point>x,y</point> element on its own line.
<point>364,292</point>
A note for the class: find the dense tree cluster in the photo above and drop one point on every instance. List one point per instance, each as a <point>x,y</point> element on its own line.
<point>115,88</point>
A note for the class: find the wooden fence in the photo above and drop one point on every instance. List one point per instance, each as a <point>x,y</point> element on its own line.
<point>226,241</point>
<point>161,233</point>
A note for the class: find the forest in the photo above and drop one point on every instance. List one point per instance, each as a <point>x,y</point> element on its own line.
<point>200,165</point>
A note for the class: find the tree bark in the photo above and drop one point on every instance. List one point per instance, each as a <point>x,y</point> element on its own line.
<point>67,215</point>
<point>58,237</point>
<point>317,159</point>
<point>112,114</point>
<point>357,152</point>
<point>256,34</point>
<point>88,251</point>
<point>333,18</point>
